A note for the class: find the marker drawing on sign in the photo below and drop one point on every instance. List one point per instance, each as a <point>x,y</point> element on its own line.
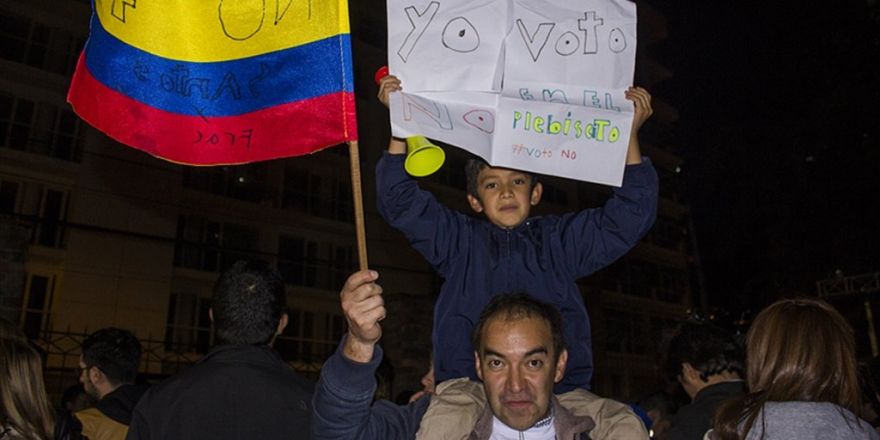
<point>419,22</point>
<point>536,40</point>
<point>460,35</point>
<point>436,111</point>
<point>617,41</point>
<point>482,120</point>
<point>588,24</point>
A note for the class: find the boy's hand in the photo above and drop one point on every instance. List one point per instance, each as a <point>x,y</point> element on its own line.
<point>363,307</point>
<point>388,84</point>
<point>642,101</point>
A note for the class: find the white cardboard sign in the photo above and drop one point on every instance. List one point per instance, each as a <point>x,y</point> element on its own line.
<point>536,85</point>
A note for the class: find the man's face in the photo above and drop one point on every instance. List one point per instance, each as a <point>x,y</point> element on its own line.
<point>516,363</point>
<point>506,196</point>
<point>86,380</point>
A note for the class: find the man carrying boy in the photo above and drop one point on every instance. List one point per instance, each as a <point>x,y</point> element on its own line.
<point>512,252</point>
<point>519,352</point>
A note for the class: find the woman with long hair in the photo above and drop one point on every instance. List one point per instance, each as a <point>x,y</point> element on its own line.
<point>801,373</point>
<point>25,412</point>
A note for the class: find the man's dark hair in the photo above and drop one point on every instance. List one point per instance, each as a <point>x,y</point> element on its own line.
<point>472,172</point>
<point>249,299</point>
<point>709,349</point>
<point>116,352</point>
<point>518,306</point>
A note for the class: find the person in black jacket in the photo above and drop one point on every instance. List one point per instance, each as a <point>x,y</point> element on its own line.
<point>708,363</point>
<point>241,389</point>
<point>108,367</point>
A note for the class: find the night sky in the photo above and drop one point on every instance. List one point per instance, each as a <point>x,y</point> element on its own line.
<point>780,132</point>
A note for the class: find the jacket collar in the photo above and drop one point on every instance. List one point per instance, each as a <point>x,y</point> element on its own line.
<point>568,425</point>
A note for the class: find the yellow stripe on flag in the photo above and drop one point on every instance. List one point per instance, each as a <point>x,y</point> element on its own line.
<point>221,30</point>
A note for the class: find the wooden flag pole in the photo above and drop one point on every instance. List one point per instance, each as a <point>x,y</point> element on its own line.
<point>357,195</point>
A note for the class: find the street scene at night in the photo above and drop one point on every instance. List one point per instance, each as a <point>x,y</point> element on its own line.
<point>534,219</point>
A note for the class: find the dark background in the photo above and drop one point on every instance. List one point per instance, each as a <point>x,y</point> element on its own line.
<point>780,134</point>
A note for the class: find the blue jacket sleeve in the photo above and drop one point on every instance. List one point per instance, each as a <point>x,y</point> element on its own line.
<point>344,409</point>
<point>431,228</point>
<point>594,238</point>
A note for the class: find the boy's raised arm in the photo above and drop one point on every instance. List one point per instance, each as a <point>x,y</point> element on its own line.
<point>388,84</point>
<point>642,101</point>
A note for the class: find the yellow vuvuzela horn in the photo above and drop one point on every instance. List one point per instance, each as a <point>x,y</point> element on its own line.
<point>422,157</point>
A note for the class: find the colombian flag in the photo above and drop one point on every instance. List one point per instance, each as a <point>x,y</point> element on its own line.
<point>209,82</point>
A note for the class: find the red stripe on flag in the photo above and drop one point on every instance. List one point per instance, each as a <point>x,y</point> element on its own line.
<point>286,130</point>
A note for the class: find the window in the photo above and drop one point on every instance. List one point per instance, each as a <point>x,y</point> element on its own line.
<point>50,230</point>
<point>9,194</point>
<point>188,328</point>
<point>35,304</point>
<point>310,337</point>
<point>39,127</point>
<point>298,261</point>
<point>36,45</point>
<point>213,246</point>
<point>45,209</point>
<point>308,263</point>
<point>243,182</point>
<point>671,185</point>
<point>628,332</point>
<point>321,196</point>
<point>670,233</point>
<point>644,279</point>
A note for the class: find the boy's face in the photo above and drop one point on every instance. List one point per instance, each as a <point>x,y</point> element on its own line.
<point>506,196</point>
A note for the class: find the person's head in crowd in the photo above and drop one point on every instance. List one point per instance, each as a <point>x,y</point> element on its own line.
<point>74,398</point>
<point>384,380</point>
<point>520,353</point>
<point>9,330</point>
<point>24,407</point>
<point>427,382</point>
<point>504,195</point>
<point>110,358</point>
<point>427,379</point>
<point>248,306</point>
<point>701,354</point>
<point>797,350</point>
<point>660,408</point>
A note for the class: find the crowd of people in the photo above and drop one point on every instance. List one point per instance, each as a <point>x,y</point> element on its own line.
<point>512,352</point>
<point>796,377</point>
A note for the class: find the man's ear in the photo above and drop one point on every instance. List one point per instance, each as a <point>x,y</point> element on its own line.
<point>96,376</point>
<point>477,362</point>
<point>211,314</point>
<point>282,324</point>
<point>475,203</point>
<point>689,373</point>
<point>560,366</point>
<point>536,194</point>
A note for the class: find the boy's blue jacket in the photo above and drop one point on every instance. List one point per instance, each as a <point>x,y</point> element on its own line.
<point>543,257</point>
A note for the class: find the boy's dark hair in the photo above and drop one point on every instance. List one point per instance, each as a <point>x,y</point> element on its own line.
<point>115,351</point>
<point>709,349</point>
<point>517,306</point>
<point>472,171</point>
<point>249,299</point>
